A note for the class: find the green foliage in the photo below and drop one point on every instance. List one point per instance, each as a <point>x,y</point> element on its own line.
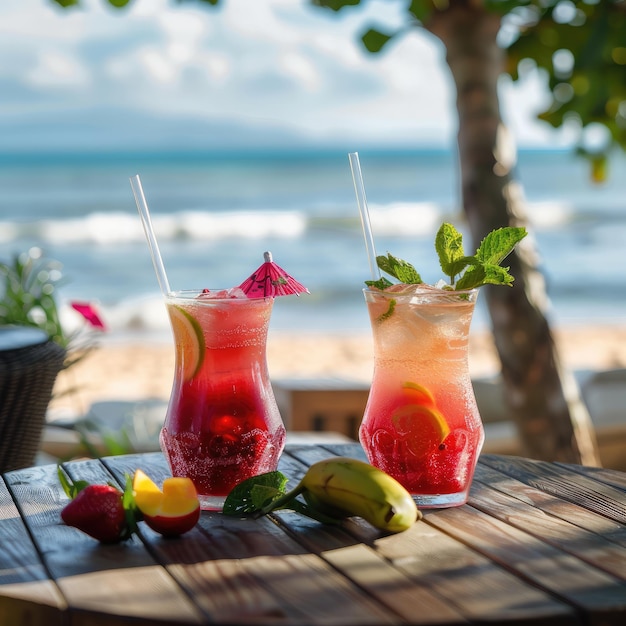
<point>375,41</point>
<point>399,269</point>
<point>472,271</point>
<point>96,440</point>
<point>118,4</point>
<point>588,85</point>
<point>449,247</point>
<point>580,45</point>
<point>27,294</point>
<point>335,5</point>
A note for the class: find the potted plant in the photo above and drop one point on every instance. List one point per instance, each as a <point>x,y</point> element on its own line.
<point>33,349</point>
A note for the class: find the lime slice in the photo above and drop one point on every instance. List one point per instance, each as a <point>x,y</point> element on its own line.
<point>189,339</point>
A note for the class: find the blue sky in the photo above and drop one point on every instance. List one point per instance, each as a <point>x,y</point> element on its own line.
<point>251,71</point>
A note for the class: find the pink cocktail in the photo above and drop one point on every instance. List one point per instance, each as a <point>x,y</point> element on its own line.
<point>222,424</point>
<point>421,423</point>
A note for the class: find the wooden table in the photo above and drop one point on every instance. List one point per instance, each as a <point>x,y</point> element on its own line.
<point>537,543</point>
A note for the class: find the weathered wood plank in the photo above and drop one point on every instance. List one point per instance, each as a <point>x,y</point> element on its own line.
<point>27,595</point>
<point>564,483</point>
<point>608,476</point>
<point>120,580</point>
<point>490,495</point>
<point>600,596</point>
<point>554,506</point>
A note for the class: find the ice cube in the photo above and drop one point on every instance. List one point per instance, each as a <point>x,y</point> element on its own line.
<point>222,294</point>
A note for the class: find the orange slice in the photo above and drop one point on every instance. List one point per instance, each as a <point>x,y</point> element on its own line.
<point>417,419</point>
<point>418,393</point>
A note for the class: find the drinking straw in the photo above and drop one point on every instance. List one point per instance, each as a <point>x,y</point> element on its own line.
<point>142,207</point>
<point>361,200</point>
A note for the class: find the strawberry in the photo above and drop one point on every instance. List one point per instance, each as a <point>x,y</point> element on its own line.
<point>102,511</point>
<point>98,511</point>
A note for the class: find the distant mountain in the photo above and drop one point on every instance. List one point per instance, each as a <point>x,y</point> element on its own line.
<point>117,129</point>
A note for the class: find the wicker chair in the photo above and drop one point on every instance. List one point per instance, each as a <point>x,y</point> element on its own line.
<point>29,364</point>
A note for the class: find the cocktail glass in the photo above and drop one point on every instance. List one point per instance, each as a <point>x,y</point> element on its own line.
<point>421,424</point>
<point>222,423</point>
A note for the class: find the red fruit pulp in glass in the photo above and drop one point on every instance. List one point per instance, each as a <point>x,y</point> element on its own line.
<point>413,451</point>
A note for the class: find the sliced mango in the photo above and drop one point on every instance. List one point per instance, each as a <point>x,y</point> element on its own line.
<point>171,511</point>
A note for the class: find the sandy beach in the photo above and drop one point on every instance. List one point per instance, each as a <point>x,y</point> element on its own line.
<point>133,371</point>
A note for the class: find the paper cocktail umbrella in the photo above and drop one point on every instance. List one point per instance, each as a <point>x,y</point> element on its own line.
<point>271,280</point>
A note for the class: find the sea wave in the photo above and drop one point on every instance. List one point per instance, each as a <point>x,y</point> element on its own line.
<point>119,227</point>
<point>397,219</point>
<point>409,219</point>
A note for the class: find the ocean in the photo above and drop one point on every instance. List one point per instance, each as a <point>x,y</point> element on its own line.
<point>215,214</point>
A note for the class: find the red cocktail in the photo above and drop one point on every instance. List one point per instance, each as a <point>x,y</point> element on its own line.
<point>222,424</point>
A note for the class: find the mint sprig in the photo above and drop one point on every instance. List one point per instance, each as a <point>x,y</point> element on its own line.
<point>463,272</point>
<point>265,493</point>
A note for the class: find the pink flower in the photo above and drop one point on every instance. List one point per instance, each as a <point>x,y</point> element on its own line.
<point>89,312</point>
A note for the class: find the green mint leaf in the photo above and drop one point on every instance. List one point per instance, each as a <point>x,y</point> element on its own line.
<point>245,497</point>
<point>260,495</point>
<point>399,269</point>
<point>381,283</point>
<point>498,244</point>
<point>449,247</point>
<point>479,275</point>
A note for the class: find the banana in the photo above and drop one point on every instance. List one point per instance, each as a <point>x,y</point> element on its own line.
<point>357,488</point>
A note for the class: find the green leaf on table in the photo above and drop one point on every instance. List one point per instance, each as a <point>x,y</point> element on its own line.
<point>70,487</point>
<point>310,511</point>
<point>132,513</point>
<point>254,493</point>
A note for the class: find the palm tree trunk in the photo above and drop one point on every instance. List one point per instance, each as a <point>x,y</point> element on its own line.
<point>552,421</point>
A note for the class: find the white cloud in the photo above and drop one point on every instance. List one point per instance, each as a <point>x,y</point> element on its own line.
<point>58,69</point>
<point>302,69</point>
<point>278,60</point>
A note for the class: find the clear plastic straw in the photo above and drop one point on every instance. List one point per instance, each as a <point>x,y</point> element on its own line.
<point>359,189</point>
<point>142,207</point>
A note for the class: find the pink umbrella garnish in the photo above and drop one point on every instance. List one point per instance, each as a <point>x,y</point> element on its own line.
<point>271,280</point>
<point>88,311</point>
